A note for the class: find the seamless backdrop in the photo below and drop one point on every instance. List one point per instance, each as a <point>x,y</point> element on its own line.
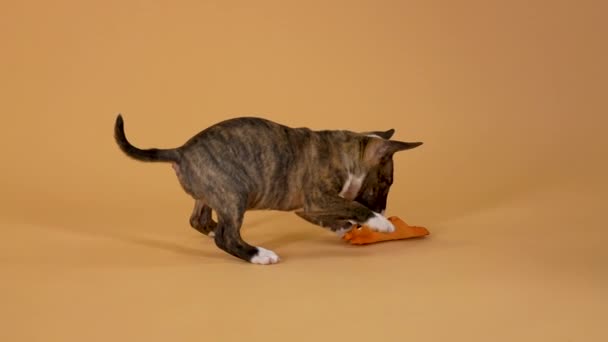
<point>509,98</point>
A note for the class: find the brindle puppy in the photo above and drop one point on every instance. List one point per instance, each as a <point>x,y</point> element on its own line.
<point>334,177</point>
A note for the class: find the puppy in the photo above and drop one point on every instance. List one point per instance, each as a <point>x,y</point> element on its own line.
<point>331,178</point>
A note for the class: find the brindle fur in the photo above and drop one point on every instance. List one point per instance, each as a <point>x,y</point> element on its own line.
<point>252,163</point>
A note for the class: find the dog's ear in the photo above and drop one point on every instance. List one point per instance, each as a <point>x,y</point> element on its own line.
<point>382,134</point>
<point>397,146</point>
<point>376,149</point>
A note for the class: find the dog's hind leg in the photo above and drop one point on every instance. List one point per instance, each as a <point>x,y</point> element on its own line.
<point>201,219</point>
<point>228,236</point>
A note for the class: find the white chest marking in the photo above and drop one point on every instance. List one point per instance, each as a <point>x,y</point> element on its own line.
<point>351,187</point>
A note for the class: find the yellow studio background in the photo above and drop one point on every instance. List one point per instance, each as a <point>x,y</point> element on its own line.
<point>509,98</point>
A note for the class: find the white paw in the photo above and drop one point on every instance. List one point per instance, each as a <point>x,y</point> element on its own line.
<point>380,223</point>
<point>341,232</point>
<point>264,257</point>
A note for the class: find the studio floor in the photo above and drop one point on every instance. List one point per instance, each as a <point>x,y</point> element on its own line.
<point>530,269</point>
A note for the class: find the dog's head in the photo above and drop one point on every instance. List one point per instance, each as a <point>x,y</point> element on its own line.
<point>378,156</point>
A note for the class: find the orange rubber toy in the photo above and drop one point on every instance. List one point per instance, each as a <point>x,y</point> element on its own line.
<point>362,235</point>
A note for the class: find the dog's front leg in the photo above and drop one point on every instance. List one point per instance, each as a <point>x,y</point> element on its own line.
<point>339,215</point>
<point>327,220</point>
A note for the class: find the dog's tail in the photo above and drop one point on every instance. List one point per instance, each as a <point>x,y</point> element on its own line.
<point>148,155</point>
